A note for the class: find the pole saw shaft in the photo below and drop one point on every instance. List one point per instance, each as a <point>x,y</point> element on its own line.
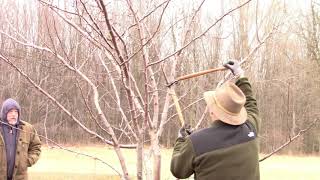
<point>176,103</point>
<point>188,76</point>
<point>173,93</point>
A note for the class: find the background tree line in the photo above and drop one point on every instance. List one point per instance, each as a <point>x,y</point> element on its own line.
<point>97,69</point>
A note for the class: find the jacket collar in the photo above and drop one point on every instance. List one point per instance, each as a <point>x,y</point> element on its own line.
<point>218,123</point>
<point>22,123</point>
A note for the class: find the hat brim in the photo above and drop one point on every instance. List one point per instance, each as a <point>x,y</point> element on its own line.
<point>221,114</point>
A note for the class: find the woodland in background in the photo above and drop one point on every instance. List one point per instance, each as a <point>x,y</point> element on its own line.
<point>285,74</point>
<point>103,65</point>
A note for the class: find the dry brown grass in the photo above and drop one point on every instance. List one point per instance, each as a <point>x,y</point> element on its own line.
<point>56,164</point>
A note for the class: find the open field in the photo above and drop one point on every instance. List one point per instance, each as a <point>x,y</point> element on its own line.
<point>56,164</point>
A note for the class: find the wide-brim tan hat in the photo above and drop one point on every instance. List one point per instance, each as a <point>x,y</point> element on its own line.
<point>227,103</point>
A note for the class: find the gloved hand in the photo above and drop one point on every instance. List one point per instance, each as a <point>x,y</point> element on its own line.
<point>234,67</point>
<point>185,130</point>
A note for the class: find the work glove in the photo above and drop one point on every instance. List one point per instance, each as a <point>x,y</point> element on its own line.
<point>234,67</point>
<point>185,130</point>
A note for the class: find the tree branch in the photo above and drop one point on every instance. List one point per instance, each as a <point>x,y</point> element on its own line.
<point>202,34</point>
<point>301,132</point>
<point>58,104</point>
<point>63,148</point>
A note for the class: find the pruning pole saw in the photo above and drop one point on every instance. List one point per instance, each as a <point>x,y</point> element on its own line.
<point>184,77</point>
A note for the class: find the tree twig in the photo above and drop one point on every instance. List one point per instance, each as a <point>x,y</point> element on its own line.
<point>301,132</point>
<point>60,105</point>
<point>198,37</point>
<point>63,148</point>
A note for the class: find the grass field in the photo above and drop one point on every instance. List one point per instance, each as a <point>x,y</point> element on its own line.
<point>56,164</point>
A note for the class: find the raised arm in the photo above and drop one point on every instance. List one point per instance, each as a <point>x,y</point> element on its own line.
<point>244,84</point>
<point>251,103</point>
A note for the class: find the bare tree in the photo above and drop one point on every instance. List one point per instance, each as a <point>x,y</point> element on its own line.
<point>102,68</point>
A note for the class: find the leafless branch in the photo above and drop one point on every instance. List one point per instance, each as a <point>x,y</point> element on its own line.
<point>63,148</point>
<point>301,132</point>
<point>87,35</point>
<point>111,30</point>
<point>190,23</point>
<point>202,34</point>
<point>45,125</point>
<point>201,119</point>
<point>3,58</point>
<point>96,25</point>
<point>251,53</point>
<point>184,109</point>
<point>89,109</point>
<point>151,37</point>
<point>118,102</point>
<point>94,88</point>
<point>256,18</point>
<point>149,13</point>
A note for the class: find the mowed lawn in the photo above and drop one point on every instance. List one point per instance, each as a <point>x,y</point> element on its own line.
<point>59,164</point>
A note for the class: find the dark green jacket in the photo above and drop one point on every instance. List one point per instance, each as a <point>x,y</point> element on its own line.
<point>222,151</point>
<point>27,152</point>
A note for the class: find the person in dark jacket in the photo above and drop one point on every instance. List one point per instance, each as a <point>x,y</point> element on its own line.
<point>228,150</point>
<point>20,145</point>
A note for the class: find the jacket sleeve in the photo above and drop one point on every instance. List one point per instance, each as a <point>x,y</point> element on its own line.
<point>34,149</point>
<point>182,158</point>
<point>251,103</point>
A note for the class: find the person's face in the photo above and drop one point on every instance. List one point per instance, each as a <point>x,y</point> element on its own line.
<point>12,116</point>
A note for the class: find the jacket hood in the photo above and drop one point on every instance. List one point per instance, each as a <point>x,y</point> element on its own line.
<point>7,106</point>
